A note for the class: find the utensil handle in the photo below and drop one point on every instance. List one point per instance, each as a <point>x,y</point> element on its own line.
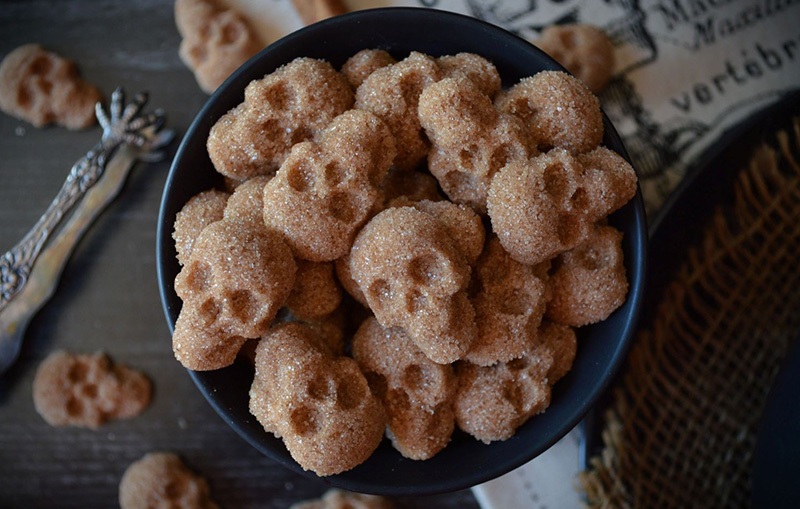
<point>121,126</point>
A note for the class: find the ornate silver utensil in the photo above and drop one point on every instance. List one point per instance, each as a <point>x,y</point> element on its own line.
<point>30,271</point>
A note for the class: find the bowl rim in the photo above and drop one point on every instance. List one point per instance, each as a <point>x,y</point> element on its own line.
<point>482,473</point>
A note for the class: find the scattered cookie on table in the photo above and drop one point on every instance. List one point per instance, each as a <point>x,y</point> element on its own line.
<point>337,499</point>
<point>317,401</point>
<point>200,211</point>
<point>294,103</point>
<point>87,390</point>
<point>311,11</point>
<point>160,479</point>
<point>216,41</point>
<point>585,51</point>
<point>43,88</point>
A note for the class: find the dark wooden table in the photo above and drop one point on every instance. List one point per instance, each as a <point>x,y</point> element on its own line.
<point>108,298</point>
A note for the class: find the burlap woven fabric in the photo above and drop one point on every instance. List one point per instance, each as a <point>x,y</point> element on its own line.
<point>681,430</point>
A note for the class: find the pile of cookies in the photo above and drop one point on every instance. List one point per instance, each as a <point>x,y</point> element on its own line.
<point>458,228</point>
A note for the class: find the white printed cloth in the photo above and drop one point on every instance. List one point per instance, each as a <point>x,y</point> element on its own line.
<point>686,71</point>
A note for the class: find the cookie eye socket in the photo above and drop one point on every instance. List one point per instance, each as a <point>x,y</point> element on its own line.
<point>425,270</point>
<point>304,421</point>
<point>300,177</point>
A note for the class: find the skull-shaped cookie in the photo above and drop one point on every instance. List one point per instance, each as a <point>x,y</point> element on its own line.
<point>462,225</point>
<point>316,293</point>
<point>584,50</point>
<point>325,191</point>
<point>492,402</point>
<point>160,479</point>
<point>87,390</point>
<point>337,499</point>
<point>392,93</point>
<point>365,62</point>
<point>548,205</point>
<point>200,344</point>
<point>215,41</point>
<point>414,277</point>
<point>293,104</point>
<point>247,201</point>
<point>475,68</point>
<point>471,141</point>
<point>44,88</point>
<point>509,299</point>
<point>556,110</point>
<point>319,403</point>
<point>417,393</point>
<point>237,278</point>
<point>200,211</point>
<point>589,282</point>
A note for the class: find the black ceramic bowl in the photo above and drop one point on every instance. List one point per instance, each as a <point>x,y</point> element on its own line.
<point>465,462</point>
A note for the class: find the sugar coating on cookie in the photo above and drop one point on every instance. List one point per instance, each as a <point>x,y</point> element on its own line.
<point>160,479</point>
<point>549,205</point>
<point>415,277</point>
<point>416,392</point>
<point>215,42</point>
<point>492,402</point>
<point>509,299</point>
<point>471,141</point>
<point>405,187</point>
<point>43,88</point>
<point>392,93</point>
<point>247,201</point>
<point>200,211</point>
<point>293,104</point>
<point>319,403</point>
<point>557,110</point>
<point>585,51</point>
<point>359,67</point>
<point>86,390</point>
<point>325,191</point>
<point>610,179</point>
<point>462,224</point>
<point>589,282</point>
<point>316,292</point>
<point>344,274</point>
<point>237,278</point>
<point>200,344</point>
<point>337,499</point>
<point>474,67</point>
<point>541,208</point>
<point>560,341</point>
